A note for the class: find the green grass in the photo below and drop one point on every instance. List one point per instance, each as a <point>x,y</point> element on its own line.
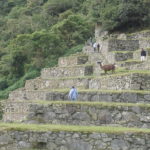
<point>95,91</point>
<point>123,52</point>
<point>98,104</point>
<point>130,60</point>
<point>118,72</point>
<point>69,128</point>
<point>74,66</point>
<point>134,33</point>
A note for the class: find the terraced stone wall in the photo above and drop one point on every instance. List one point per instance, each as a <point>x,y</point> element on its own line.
<point>66,71</point>
<point>83,96</point>
<point>84,114</point>
<point>139,35</point>
<point>72,60</point>
<point>123,45</point>
<point>24,140</point>
<point>39,83</point>
<point>129,81</point>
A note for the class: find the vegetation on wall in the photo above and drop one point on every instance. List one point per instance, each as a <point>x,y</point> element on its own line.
<point>35,33</point>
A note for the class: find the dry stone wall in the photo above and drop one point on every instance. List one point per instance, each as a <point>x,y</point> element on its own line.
<point>134,81</point>
<point>39,83</point>
<point>67,71</point>
<point>123,56</point>
<point>107,96</point>
<point>72,60</point>
<point>123,45</point>
<point>23,140</point>
<point>83,114</point>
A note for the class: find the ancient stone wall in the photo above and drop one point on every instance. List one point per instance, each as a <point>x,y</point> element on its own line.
<point>84,114</point>
<point>139,35</point>
<point>24,140</point>
<point>107,96</point>
<point>39,83</point>
<point>66,71</point>
<point>130,81</point>
<point>72,60</point>
<point>123,45</point>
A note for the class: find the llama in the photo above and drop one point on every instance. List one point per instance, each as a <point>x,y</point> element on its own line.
<point>108,67</point>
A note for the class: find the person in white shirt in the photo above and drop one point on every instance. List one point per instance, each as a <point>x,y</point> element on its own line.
<point>73,94</point>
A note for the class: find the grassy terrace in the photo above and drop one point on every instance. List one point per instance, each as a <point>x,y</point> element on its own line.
<point>130,61</point>
<point>138,32</point>
<point>69,128</point>
<point>123,52</point>
<point>75,66</point>
<point>98,104</point>
<point>75,55</point>
<point>119,72</point>
<point>96,91</point>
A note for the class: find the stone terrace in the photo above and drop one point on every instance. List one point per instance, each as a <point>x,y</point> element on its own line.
<point>98,99</point>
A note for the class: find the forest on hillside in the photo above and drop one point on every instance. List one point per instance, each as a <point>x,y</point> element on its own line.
<point>35,33</point>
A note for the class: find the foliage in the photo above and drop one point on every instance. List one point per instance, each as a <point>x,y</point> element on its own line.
<point>35,33</point>
<point>121,14</point>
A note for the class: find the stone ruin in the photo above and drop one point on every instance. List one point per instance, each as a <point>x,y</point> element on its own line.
<point>119,99</point>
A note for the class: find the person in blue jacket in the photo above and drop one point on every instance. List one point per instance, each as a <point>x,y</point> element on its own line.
<point>73,94</point>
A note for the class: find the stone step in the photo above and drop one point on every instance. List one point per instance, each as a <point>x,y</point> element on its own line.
<point>79,113</point>
<point>72,60</point>
<point>79,70</point>
<point>126,96</point>
<point>62,137</point>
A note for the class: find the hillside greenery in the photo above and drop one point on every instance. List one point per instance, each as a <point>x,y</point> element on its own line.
<point>35,33</point>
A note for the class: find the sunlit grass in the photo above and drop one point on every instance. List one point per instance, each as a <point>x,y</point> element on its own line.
<point>69,128</point>
<point>86,103</point>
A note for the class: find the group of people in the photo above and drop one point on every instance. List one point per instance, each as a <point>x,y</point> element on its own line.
<point>96,47</point>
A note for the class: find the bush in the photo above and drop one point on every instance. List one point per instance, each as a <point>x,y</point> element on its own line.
<point>121,14</point>
<point>3,84</point>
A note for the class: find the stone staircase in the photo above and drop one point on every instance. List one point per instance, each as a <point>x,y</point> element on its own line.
<point>113,100</point>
